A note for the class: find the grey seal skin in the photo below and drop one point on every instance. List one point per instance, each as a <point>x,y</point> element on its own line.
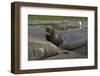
<point>74,39</point>
<point>52,36</point>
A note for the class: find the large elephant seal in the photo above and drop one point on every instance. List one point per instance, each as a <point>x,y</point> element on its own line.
<point>52,36</point>
<point>69,40</point>
<point>41,49</point>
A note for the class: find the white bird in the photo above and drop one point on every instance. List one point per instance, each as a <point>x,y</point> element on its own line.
<point>80,22</point>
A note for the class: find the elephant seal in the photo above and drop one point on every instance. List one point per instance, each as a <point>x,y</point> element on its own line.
<point>70,40</point>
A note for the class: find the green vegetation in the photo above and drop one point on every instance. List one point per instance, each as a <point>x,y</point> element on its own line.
<point>46,17</point>
<point>74,21</point>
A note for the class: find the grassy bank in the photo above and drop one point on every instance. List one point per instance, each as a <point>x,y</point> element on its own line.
<point>46,17</point>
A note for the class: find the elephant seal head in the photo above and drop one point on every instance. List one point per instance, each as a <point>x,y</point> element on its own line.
<point>49,33</point>
<point>52,36</point>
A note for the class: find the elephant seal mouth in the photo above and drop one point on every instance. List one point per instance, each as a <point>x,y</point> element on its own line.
<point>47,33</point>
